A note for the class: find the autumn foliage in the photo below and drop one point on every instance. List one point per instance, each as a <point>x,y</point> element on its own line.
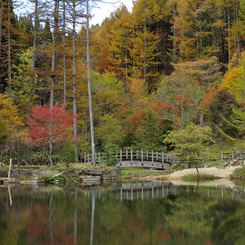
<point>41,119</point>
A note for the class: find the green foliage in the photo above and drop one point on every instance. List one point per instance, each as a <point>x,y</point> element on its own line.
<point>109,130</point>
<point>109,154</point>
<point>190,142</point>
<point>237,122</point>
<point>66,153</point>
<point>150,135</point>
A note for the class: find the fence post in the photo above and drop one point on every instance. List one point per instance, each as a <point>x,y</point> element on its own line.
<point>152,158</point>
<point>85,157</point>
<point>121,157</point>
<point>126,154</point>
<point>162,158</point>
<point>137,154</point>
<point>99,158</point>
<point>142,157</point>
<point>221,156</point>
<point>131,162</point>
<point>232,155</point>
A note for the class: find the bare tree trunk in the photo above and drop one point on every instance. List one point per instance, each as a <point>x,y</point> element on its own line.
<point>64,48</point>
<point>9,53</point>
<point>56,9</point>
<point>89,92</point>
<point>33,55</point>
<point>1,21</point>
<point>74,80</point>
<point>229,34</point>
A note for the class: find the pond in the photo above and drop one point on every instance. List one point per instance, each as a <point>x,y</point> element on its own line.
<point>122,213</point>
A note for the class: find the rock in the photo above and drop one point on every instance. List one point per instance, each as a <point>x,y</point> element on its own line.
<point>90,178</point>
<point>44,172</point>
<point>3,173</point>
<point>225,163</point>
<point>17,173</point>
<point>91,183</point>
<point>115,171</point>
<point>35,180</point>
<point>94,171</point>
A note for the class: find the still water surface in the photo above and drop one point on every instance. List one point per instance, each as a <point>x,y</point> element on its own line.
<point>122,213</point>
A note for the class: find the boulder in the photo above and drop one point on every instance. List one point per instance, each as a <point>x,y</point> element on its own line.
<point>115,171</point>
<point>3,174</point>
<point>44,172</point>
<point>94,172</point>
<point>90,178</point>
<point>17,173</point>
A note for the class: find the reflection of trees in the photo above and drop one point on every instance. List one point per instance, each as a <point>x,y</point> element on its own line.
<point>228,225</point>
<point>188,218</point>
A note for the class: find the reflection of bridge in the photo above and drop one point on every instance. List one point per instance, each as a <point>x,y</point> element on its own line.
<point>151,190</point>
<point>130,158</point>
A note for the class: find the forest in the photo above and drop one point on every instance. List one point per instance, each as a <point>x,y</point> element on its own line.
<point>140,80</point>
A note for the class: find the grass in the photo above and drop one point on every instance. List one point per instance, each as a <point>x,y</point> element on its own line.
<point>195,177</point>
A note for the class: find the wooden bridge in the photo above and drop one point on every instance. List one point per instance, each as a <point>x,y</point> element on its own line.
<point>160,160</point>
<point>130,158</point>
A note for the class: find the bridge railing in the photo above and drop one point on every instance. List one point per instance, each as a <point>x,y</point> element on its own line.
<point>131,155</point>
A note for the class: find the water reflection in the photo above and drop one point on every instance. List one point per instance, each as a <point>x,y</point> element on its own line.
<point>122,213</point>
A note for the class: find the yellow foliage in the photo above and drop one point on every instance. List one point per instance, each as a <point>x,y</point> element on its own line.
<point>9,114</point>
<point>234,81</point>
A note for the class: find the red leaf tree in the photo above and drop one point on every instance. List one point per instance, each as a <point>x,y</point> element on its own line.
<point>42,117</point>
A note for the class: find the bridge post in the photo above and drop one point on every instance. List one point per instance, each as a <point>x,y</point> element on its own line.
<point>142,158</point>
<point>131,161</point>
<point>152,158</point>
<point>121,157</point>
<point>162,158</point>
<point>85,157</point>
<point>126,154</point>
<point>99,158</point>
<point>137,155</point>
<point>147,155</point>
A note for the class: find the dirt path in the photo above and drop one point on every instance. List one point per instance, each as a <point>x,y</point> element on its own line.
<point>223,173</point>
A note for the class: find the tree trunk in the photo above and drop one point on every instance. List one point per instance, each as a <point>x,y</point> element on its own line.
<point>74,79</point>
<point>229,35</point>
<point>89,91</point>
<point>56,9</point>
<point>9,53</point>
<point>1,21</point>
<point>33,55</point>
<point>64,49</point>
